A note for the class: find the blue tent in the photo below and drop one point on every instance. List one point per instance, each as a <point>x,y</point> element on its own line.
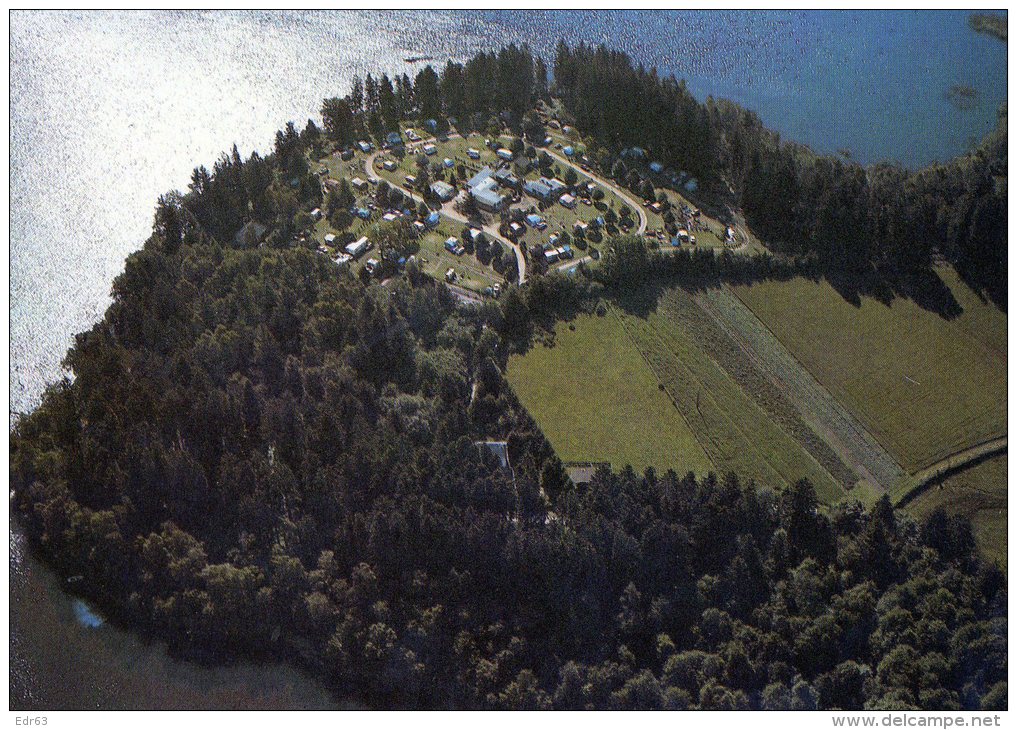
<point>534,220</point>
<point>656,167</point>
<point>569,151</point>
<point>433,218</point>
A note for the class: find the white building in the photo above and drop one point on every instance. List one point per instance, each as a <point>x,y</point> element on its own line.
<point>358,248</point>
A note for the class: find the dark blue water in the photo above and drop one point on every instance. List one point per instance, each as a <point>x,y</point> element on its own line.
<point>873,82</point>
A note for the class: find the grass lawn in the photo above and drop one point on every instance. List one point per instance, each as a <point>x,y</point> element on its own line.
<point>558,217</point>
<point>982,320</point>
<point>596,399</point>
<point>436,260</point>
<point>923,385</point>
<point>339,168</point>
<point>453,149</point>
<point>978,493</point>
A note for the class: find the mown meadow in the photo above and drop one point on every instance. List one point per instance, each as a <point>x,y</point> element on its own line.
<point>924,385</point>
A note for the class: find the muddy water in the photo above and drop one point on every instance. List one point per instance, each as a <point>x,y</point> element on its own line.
<point>65,656</point>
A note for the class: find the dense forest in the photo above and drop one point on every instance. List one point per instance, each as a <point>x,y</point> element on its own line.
<point>262,455</point>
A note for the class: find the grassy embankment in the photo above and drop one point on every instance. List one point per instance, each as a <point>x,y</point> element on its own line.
<point>978,493</point>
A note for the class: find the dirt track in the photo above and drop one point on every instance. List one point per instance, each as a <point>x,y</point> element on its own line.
<point>958,460</point>
<point>818,407</point>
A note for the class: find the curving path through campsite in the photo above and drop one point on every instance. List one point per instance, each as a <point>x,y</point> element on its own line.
<point>629,200</point>
<point>491,230</point>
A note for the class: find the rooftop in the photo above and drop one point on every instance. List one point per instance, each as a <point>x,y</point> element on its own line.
<point>487,196</point>
<point>480,177</point>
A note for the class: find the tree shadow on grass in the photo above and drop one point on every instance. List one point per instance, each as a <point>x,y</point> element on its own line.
<point>924,288</point>
<point>642,301</point>
<point>988,286</point>
<point>930,292</point>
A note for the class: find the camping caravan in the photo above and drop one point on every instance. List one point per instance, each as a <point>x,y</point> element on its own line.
<point>443,190</point>
<point>358,248</point>
<point>453,246</point>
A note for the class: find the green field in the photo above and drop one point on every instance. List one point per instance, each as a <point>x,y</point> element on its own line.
<point>982,320</point>
<point>923,385</point>
<point>643,389</point>
<point>978,493</point>
<point>732,425</point>
<point>597,400</point>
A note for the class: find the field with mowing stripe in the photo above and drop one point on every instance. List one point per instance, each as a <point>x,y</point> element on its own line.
<point>681,306</point>
<point>924,386</point>
<point>978,493</point>
<point>734,430</point>
<point>645,389</point>
<point>597,400</point>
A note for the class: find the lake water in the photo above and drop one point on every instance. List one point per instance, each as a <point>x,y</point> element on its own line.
<point>64,656</point>
<point>110,110</point>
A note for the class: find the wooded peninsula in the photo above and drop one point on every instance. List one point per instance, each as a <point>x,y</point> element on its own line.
<point>267,453</point>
